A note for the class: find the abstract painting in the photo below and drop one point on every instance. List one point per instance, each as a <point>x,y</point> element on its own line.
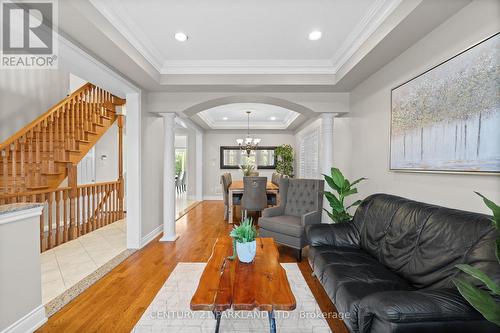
<point>448,118</point>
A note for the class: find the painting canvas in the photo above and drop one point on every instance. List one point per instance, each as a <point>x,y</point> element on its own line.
<point>448,118</point>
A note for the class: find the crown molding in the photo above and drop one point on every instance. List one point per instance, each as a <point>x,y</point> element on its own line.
<point>122,22</point>
<point>256,125</point>
<point>268,66</point>
<point>375,16</point>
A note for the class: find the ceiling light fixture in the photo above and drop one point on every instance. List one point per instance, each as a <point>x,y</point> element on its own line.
<point>248,144</point>
<point>272,118</point>
<point>224,118</point>
<point>315,35</point>
<point>181,37</point>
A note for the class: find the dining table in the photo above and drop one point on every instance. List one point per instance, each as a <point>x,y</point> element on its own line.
<point>237,187</point>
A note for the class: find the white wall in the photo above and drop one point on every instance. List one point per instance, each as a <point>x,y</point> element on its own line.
<point>25,94</point>
<point>361,138</point>
<point>106,170</point>
<point>215,139</point>
<point>152,171</point>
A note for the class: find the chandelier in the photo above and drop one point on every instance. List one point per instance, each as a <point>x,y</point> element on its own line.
<point>248,144</point>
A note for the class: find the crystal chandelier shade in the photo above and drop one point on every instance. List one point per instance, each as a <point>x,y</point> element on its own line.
<point>248,144</point>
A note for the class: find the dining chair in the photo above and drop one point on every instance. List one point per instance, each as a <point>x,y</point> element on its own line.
<point>226,181</point>
<point>254,195</point>
<point>183,182</point>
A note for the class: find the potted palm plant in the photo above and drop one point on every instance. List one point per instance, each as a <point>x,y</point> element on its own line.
<point>244,241</point>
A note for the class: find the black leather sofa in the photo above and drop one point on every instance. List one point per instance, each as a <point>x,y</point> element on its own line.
<point>391,268</point>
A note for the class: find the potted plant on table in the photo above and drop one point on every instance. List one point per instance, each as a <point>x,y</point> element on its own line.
<point>247,169</point>
<point>244,244</point>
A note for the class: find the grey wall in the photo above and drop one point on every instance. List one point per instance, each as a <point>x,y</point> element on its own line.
<point>151,170</point>
<point>20,282</point>
<point>107,170</point>
<point>361,140</point>
<point>212,142</point>
<point>26,94</point>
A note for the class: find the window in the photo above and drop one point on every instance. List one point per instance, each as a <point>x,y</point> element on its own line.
<point>309,155</point>
<point>233,157</point>
<point>180,160</point>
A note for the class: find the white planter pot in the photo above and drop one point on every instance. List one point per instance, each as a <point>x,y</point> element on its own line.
<point>246,251</point>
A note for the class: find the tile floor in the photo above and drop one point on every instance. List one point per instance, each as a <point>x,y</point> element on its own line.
<point>66,264</point>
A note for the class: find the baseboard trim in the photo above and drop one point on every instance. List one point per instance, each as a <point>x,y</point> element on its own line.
<point>212,197</point>
<point>169,238</point>
<point>152,235</point>
<point>28,323</point>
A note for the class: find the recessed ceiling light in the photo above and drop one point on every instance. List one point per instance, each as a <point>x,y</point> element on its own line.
<point>181,37</point>
<point>224,118</point>
<point>272,118</point>
<point>315,35</point>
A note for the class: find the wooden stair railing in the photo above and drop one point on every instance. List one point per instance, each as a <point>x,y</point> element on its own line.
<point>95,206</point>
<point>36,157</point>
<point>36,160</point>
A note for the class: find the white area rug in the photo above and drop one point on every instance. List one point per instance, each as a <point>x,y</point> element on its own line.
<point>169,311</point>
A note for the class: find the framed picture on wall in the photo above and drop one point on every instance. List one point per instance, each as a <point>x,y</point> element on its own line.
<point>231,157</point>
<point>447,118</point>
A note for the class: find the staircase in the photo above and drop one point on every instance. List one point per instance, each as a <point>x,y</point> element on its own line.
<point>35,161</point>
<point>37,157</point>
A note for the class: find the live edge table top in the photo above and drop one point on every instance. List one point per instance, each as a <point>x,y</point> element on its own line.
<point>226,284</point>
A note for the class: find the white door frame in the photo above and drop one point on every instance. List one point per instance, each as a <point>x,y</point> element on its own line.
<point>75,60</point>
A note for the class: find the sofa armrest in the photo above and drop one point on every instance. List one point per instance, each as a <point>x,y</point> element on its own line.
<point>340,235</point>
<point>414,306</point>
<point>273,211</point>
<point>311,218</point>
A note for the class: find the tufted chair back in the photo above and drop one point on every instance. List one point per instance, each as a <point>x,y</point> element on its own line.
<point>254,193</point>
<point>301,195</point>
<point>225,180</point>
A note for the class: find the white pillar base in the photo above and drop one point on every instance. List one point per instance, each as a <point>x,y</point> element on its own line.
<point>169,238</point>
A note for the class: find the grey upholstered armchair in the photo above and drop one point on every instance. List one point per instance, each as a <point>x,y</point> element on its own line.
<point>301,203</point>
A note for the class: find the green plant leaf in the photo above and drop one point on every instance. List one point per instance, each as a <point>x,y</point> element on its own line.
<point>480,275</point>
<point>355,203</point>
<point>338,178</point>
<point>481,300</point>
<point>330,182</point>
<point>350,192</point>
<point>494,208</point>
<point>358,180</point>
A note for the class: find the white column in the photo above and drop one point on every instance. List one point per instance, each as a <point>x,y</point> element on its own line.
<point>169,234</point>
<point>199,166</point>
<point>326,154</point>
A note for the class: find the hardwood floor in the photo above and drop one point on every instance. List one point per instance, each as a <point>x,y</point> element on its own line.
<point>116,302</point>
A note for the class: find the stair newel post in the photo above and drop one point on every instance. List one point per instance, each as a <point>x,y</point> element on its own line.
<point>38,155</point>
<point>14,166</point>
<point>5,170</point>
<point>22,170</point>
<point>71,115</point>
<point>73,196</point>
<point>50,162</point>
<point>29,173</point>
<point>121,185</point>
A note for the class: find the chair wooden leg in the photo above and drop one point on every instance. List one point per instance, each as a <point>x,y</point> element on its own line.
<point>300,255</point>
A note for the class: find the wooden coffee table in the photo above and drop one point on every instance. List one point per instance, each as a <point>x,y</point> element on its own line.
<point>227,284</point>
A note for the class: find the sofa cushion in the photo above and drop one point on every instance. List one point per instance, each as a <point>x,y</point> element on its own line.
<point>351,291</point>
<point>284,224</point>
<point>322,256</point>
<point>423,243</point>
